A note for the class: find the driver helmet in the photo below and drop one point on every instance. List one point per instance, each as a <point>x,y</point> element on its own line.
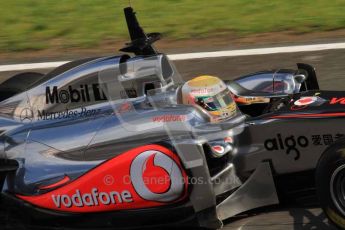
<point>212,95</point>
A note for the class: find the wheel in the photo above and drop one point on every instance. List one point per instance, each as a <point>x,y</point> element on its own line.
<point>17,84</point>
<point>330,184</point>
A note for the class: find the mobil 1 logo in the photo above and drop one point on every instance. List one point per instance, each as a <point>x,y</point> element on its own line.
<point>83,93</point>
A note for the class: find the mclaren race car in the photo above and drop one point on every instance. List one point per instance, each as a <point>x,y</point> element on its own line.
<point>123,141</point>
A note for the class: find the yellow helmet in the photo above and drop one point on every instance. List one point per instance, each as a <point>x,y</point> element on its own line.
<point>212,95</point>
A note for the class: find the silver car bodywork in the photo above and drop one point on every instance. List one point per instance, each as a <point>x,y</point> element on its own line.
<point>81,117</point>
<point>50,135</point>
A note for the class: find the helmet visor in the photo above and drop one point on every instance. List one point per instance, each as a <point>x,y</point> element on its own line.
<point>216,102</point>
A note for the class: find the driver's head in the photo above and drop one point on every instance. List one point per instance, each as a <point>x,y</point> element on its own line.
<point>211,94</point>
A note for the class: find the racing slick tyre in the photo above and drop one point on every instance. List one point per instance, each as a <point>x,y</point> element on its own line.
<point>18,83</point>
<point>330,184</point>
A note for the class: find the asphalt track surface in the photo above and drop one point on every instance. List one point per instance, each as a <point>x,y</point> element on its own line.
<point>330,66</point>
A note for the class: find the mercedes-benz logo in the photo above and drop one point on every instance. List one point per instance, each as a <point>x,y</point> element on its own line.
<point>26,115</point>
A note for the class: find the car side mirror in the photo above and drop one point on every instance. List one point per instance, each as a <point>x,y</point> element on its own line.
<point>300,78</point>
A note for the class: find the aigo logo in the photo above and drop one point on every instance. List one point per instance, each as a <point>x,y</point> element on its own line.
<point>290,144</point>
<point>157,177</point>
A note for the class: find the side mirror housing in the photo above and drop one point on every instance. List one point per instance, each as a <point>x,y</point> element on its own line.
<point>300,78</point>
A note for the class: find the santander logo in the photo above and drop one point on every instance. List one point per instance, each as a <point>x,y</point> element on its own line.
<point>156,177</point>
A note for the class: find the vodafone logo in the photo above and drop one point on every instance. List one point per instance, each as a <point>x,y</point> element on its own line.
<point>305,101</point>
<point>144,177</point>
<point>156,177</point>
<point>219,149</point>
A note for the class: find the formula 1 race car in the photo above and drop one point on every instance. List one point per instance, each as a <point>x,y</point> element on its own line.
<point>123,141</point>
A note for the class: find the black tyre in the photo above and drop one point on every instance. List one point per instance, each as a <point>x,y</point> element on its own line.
<point>330,184</point>
<point>17,84</point>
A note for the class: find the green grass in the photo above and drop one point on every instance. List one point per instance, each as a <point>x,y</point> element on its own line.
<point>35,25</point>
